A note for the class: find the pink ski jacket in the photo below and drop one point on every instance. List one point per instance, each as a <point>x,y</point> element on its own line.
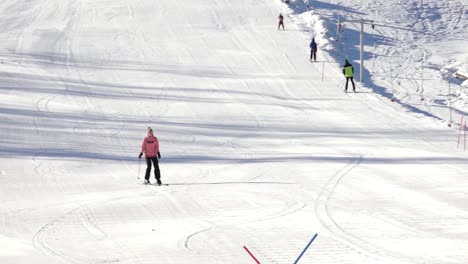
<point>150,146</point>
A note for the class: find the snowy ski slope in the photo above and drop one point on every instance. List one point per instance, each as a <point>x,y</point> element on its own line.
<point>260,147</point>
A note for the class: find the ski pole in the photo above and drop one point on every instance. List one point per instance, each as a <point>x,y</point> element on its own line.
<point>323,70</point>
<point>341,84</point>
<point>139,164</point>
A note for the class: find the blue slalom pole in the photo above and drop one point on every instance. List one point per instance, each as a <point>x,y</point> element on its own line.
<point>305,249</point>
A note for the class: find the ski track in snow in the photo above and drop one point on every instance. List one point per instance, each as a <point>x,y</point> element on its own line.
<point>50,232</point>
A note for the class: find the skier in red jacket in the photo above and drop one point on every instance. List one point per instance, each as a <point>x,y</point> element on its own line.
<point>150,147</point>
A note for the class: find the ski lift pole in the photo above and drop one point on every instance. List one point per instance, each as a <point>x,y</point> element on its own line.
<point>450,104</point>
<point>460,132</point>
<point>391,82</point>
<point>361,53</point>
<point>373,58</point>
<point>338,28</point>
<point>422,79</point>
<point>464,144</point>
<point>361,40</point>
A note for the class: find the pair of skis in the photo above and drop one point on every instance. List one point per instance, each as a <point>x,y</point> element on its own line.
<point>156,184</point>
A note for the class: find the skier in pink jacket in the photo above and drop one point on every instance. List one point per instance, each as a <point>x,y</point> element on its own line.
<point>150,147</point>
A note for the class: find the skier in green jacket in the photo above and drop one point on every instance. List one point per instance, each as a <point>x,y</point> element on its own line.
<point>348,72</point>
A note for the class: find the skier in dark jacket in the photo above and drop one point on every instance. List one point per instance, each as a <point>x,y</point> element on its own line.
<point>348,72</point>
<point>150,147</point>
<point>313,50</point>
<point>280,22</point>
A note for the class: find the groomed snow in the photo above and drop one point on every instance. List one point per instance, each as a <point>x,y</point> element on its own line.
<point>260,147</point>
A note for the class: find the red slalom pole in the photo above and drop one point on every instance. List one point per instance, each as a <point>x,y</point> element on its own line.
<point>250,253</point>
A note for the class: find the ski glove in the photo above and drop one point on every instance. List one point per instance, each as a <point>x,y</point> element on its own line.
<point>159,155</point>
<point>141,154</point>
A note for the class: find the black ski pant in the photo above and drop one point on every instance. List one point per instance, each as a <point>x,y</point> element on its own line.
<point>347,79</point>
<point>155,162</point>
<point>313,55</point>
<point>280,24</point>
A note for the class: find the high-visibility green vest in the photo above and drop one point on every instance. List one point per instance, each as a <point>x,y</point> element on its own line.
<point>348,71</point>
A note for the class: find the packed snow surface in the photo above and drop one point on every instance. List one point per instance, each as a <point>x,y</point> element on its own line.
<point>260,147</point>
